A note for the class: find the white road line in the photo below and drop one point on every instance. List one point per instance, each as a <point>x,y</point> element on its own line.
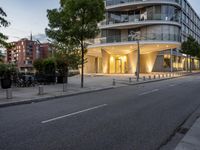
<point>172,85</point>
<point>149,92</point>
<point>72,114</point>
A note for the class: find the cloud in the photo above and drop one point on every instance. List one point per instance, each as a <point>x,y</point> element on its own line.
<point>41,37</point>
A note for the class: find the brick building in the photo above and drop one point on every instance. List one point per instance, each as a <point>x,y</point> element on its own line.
<point>25,52</point>
<point>45,50</point>
<point>2,57</point>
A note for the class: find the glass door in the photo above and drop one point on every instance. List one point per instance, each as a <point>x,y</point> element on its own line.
<point>118,66</point>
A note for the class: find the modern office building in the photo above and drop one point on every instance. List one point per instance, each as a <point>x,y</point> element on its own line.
<point>160,26</point>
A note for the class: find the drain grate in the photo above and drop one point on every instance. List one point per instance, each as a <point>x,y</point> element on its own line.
<point>183,130</point>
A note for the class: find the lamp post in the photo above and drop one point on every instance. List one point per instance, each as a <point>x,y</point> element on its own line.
<point>136,35</point>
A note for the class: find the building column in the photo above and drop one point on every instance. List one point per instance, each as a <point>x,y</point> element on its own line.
<point>105,61</point>
<point>132,62</point>
<point>171,60</point>
<point>177,64</point>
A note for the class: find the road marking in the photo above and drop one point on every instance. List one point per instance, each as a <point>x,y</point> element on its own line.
<point>149,92</point>
<point>172,85</point>
<point>72,114</point>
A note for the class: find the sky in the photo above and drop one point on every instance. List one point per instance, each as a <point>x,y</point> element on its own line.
<point>29,16</point>
<point>26,17</point>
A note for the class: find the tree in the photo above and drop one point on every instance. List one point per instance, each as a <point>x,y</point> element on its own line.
<point>39,65</point>
<point>1,57</point>
<point>3,23</point>
<point>59,31</point>
<point>191,48</point>
<point>7,70</point>
<point>82,17</point>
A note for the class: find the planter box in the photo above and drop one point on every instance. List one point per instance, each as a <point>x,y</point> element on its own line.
<point>6,83</point>
<point>61,79</point>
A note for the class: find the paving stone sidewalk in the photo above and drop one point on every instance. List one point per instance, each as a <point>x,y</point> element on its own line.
<point>191,140</point>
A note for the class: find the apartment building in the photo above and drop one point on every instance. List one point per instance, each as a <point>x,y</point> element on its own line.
<point>159,25</point>
<point>25,52</point>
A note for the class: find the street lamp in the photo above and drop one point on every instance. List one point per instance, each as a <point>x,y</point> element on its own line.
<point>136,36</point>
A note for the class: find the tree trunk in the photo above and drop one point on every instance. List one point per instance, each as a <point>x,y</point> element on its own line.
<point>67,74</point>
<point>82,65</point>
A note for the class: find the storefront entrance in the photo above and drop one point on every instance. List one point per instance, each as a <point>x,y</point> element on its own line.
<point>118,64</point>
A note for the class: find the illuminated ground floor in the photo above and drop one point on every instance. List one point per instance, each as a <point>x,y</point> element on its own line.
<point>122,59</point>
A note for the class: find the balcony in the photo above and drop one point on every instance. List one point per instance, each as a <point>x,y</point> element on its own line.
<point>140,19</point>
<point>119,2</point>
<point>148,37</point>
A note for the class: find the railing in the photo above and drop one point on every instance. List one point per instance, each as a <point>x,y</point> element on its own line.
<point>115,2</point>
<point>147,37</point>
<point>138,18</point>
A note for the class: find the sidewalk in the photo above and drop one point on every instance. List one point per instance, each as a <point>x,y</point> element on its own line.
<point>93,82</point>
<point>191,141</point>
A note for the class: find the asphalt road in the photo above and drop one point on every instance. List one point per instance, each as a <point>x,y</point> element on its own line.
<point>139,117</point>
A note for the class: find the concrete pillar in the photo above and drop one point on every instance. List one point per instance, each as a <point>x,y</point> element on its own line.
<point>148,62</point>
<point>9,93</point>
<point>132,62</point>
<point>171,60</point>
<point>177,51</point>
<point>64,87</point>
<point>41,90</point>
<point>105,61</point>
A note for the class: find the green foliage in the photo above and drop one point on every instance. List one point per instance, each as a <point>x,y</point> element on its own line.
<point>38,65</point>
<point>72,24</point>
<point>190,47</point>
<point>49,66</point>
<point>1,57</point>
<point>7,70</point>
<point>84,16</point>
<point>3,23</point>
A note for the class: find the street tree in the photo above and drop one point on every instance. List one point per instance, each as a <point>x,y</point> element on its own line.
<point>58,31</point>
<point>190,48</point>
<point>3,23</point>
<point>83,17</point>
<point>66,58</point>
<point>1,57</point>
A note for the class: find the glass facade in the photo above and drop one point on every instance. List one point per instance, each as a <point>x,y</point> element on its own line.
<point>157,12</point>
<point>176,23</point>
<point>153,32</point>
<point>115,2</point>
<point>190,22</point>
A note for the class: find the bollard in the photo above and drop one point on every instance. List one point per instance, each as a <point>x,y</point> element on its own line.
<point>159,76</point>
<point>166,75</point>
<point>41,90</point>
<point>64,87</point>
<point>144,78</point>
<point>154,77</point>
<point>9,93</point>
<point>130,80</point>
<point>114,83</point>
<point>149,77</point>
<point>170,75</point>
<point>163,75</point>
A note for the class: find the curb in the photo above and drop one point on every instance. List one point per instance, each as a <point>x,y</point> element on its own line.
<point>191,139</point>
<point>153,80</point>
<point>48,98</point>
